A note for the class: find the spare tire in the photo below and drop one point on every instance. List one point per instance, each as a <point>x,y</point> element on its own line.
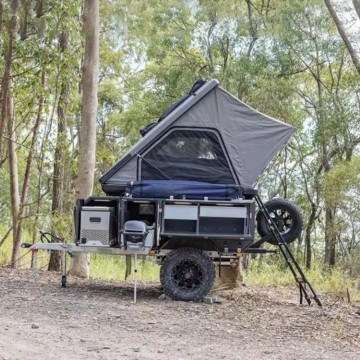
<point>287,217</point>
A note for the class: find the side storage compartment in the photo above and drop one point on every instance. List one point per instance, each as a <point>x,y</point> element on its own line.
<point>139,224</point>
<point>97,221</point>
<point>224,220</point>
<point>180,219</point>
<point>208,225</point>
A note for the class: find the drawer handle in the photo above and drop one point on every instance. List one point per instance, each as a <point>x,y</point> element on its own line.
<point>95,219</point>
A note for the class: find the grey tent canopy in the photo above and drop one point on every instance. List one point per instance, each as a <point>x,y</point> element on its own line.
<point>208,136</point>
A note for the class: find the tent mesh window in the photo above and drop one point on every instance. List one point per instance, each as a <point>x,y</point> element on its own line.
<point>187,155</point>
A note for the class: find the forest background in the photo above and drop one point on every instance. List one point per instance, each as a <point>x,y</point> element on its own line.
<point>297,61</point>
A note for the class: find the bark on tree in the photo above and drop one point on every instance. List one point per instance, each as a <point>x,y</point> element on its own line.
<point>14,180</point>
<point>11,28</point>
<point>24,19</point>
<point>308,229</point>
<point>85,181</point>
<point>1,14</point>
<point>330,237</point>
<point>57,208</point>
<point>354,57</point>
<point>356,4</point>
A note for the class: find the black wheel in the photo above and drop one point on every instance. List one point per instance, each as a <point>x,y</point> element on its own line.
<point>287,217</point>
<point>63,281</point>
<point>187,274</point>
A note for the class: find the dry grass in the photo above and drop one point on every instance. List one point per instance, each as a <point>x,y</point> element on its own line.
<point>336,281</point>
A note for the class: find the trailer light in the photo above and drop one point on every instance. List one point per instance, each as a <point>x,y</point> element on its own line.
<point>152,252</point>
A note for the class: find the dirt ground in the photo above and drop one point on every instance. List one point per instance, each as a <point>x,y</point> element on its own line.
<point>97,320</point>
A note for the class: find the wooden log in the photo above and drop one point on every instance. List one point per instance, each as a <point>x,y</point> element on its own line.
<point>228,277</point>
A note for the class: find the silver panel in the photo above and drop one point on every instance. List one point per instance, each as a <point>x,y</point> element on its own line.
<point>223,211</point>
<point>96,208</point>
<point>72,248</point>
<point>87,224</point>
<point>96,232</point>
<point>180,212</point>
<point>95,237</point>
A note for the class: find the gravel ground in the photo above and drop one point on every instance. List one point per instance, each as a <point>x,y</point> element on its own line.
<point>97,320</point>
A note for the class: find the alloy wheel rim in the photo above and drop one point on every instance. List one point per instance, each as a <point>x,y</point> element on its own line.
<point>187,275</point>
<point>282,219</point>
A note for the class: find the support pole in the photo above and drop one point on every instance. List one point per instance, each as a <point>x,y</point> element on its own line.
<point>63,258</point>
<point>35,268</point>
<point>135,277</point>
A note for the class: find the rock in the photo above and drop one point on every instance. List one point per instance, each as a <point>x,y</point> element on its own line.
<point>160,351</point>
<point>82,340</point>
<point>151,322</point>
<point>330,314</point>
<point>162,297</point>
<point>218,299</point>
<point>208,300</point>
<point>357,284</point>
<point>34,326</point>
<point>136,349</point>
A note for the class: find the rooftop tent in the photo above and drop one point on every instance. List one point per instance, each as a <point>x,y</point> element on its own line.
<point>208,136</point>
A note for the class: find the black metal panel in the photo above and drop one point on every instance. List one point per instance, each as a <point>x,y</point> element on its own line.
<point>226,226</point>
<point>180,226</point>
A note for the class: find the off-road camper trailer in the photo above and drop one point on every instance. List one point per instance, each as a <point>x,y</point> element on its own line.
<point>185,191</point>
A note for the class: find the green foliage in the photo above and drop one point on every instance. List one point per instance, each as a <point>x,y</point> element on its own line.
<point>341,183</point>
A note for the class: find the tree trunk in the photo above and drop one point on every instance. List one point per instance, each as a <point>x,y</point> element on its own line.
<point>39,187</point>
<point>356,4</point>
<point>57,208</point>
<point>14,180</point>
<point>85,181</point>
<point>5,83</point>
<point>20,212</point>
<point>35,130</point>
<point>308,230</point>
<point>330,237</point>
<point>355,58</point>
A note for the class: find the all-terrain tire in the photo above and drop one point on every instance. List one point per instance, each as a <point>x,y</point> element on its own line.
<point>286,215</point>
<point>187,274</point>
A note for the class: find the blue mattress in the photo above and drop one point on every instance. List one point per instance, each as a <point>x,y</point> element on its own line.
<point>180,189</point>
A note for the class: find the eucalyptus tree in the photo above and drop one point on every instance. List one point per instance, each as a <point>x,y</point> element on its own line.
<point>342,31</point>
<point>87,145</point>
